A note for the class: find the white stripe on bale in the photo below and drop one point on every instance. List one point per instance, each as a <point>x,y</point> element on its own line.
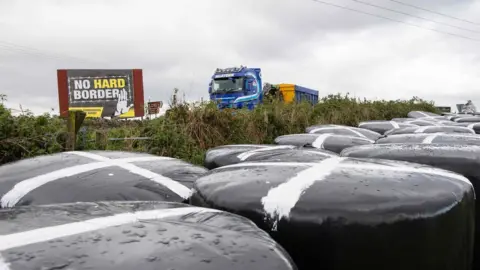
<point>422,129</point>
<point>394,124</point>
<point>320,140</point>
<point>339,127</point>
<point>429,139</point>
<point>45,234</point>
<point>243,156</point>
<point>281,199</point>
<point>171,184</point>
<point>469,129</point>
<point>472,125</point>
<point>3,264</point>
<point>22,188</point>
<point>320,153</point>
<point>359,134</point>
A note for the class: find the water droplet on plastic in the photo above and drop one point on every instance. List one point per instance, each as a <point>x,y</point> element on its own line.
<point>151,258</point>
<point>128,241</point>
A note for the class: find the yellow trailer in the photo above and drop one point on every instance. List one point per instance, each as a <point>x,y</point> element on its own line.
<point>293,92</point>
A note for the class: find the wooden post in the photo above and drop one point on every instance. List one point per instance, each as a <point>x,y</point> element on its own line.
<point>74,122</point>
<point>100,140</point>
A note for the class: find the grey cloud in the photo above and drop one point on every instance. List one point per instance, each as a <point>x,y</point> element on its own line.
<point>179,44</point>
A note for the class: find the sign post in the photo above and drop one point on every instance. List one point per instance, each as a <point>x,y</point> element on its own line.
<point>444,109</point>
<point>101,93</point>
<point>74,121</point>
<point>154,107</point>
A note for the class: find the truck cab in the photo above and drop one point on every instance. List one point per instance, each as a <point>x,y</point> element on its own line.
<point>236,87</point>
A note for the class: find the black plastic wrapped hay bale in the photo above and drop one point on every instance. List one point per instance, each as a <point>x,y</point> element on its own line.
<point>234,153</point>
<point>330,142</point>
<point>134,235</point>
<point>432,118</point>
<point>96,176</point>
<point>343,130</point>
<point>292,155</point>
<point>343,213</point>
<point>401,120</point>
<point>431,129</point>
<point>449,123</point>
<point>468,119</point>
<point>383,126</point>
<point>451,138</point>
<point>458,116</point>
<point>474,126</point>
<point>463,159</point>
<point>423,123</point>
<point>422,114</point>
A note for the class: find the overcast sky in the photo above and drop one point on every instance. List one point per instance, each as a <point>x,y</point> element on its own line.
<point>180,43</point>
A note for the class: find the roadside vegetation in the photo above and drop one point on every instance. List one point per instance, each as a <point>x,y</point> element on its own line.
<point>186,131</point>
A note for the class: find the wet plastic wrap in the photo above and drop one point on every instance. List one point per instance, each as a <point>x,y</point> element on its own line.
<point>96,176</point>
<point>401,120</point>
<point>458,116</point>
<point>235,153</point>
<point>422,114</point>
<point>463,159</point>
<point>292,155</point>
<point>134,235</point>
<point>423,123</point>
<point>474,126</point>
<point>331,142</point>
<point>449,123</point>
<point>452,138</point>
<point>468,119</point>
<point>343,130</point>
<point>343,214</point>
<point>383,126</point>
<point>431,129</point>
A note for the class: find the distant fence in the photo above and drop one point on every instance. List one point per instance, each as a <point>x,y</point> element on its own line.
<point>100,141</point>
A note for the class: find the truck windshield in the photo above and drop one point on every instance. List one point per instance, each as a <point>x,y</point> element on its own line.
<point>226,85</point>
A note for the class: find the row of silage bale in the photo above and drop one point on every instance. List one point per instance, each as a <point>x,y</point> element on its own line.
<point>379,213</point>
<point>328,211</point>
<point>120,210</point>
<point>451,144</point>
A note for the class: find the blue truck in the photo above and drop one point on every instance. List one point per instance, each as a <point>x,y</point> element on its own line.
<point>241,87</point>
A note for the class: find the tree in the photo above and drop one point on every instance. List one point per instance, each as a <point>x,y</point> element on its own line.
<point>3,98</point>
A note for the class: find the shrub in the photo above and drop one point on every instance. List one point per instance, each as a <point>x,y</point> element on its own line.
<point>186,131</point>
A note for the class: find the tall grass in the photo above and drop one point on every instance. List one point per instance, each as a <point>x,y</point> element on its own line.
<point>186,131</point>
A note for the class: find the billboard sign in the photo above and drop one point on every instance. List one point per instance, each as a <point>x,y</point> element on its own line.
<point>154,107</point>
<point>444,109</point>
<point>101,93</point>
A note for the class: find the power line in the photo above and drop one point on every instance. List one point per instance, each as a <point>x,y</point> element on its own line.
<point>390,19</point>
<point>8,46</point>
<point>434,12</point>
<point>414,16</point>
